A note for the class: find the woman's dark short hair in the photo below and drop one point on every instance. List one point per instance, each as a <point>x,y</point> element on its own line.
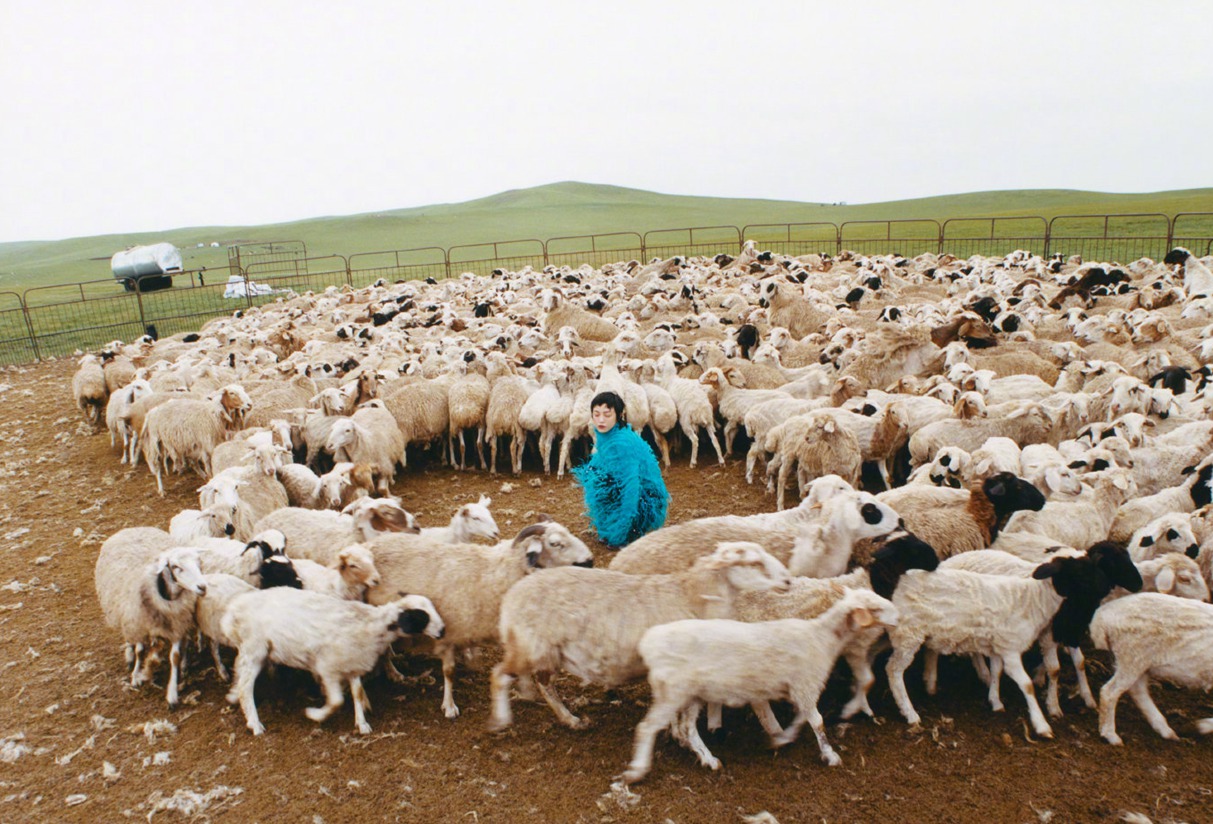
<point>609,399</point>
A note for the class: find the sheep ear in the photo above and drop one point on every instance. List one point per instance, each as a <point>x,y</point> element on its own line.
<point>1047,570</point>
<point>1053,478</point>
<point>1165,582</point>
<point>165,583</point>
<point>533,552</point>
<point>413,621</point>
<point>860,618</point>
<point>485,500</point>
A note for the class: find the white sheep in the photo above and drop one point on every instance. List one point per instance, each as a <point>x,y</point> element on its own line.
<point>996,616</point>
<point>468,581</point>
<point>319,534</point>
<point>212,522</point>
<point>349,577</point>
<point>147,589</point>
<point>469,522</point>
<point>335,640</point>
<point>118,411</point>
<point>221,589</point>
<point>603,614</point>
<point>89,389</point>
<point>370,437</point>
<point>184,431</point>
<point>690,662</point>
<point>1155,635</point>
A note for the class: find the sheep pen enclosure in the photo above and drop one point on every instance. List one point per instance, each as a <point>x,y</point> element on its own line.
<point>78,744</point>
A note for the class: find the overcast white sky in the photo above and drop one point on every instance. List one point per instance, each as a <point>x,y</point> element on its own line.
<point>134,116</point>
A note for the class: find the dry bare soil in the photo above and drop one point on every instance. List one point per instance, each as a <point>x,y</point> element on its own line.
<point>77,744</point>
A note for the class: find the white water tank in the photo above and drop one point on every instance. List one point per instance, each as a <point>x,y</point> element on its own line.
<point>155,259</point>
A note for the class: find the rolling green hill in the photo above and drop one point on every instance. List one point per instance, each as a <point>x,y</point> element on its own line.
<point>555,210</point>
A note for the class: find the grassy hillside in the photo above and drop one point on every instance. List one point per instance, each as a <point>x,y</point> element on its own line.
<point>555,210</point>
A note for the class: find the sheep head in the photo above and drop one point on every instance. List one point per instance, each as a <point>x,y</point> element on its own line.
<point>549,544</point>
<point>748,567</point>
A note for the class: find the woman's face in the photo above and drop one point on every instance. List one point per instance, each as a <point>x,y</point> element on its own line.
<point>604,418</point>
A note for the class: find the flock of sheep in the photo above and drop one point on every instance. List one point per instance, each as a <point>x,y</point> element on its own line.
<point>989,454</point>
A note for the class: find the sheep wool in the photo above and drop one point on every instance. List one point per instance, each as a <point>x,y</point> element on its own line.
<point>624,492</point>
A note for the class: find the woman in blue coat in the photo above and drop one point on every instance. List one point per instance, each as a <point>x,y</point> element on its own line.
<point>624,492</point>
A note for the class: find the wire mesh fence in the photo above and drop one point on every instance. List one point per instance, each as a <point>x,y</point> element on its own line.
<point>50,321</point>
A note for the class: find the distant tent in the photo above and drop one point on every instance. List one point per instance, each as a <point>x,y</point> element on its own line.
<point>238,288</point>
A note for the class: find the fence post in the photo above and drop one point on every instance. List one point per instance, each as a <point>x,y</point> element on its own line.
<point>446,257</point>
<point>139,300</point>
<point>33,339</point>
<point>349,276</point>
<point>1170,233</point>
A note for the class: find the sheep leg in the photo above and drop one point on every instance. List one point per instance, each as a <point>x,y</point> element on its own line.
<point>499,690</point>
<point>983,670</point>
<point>930,671</point>
<point>361,705</point>
<point>664,446</point>
<point>895,669</point>
<point>492,455</point>
<point>480,445</point>
<point>766,717</point>
<point>334,697</point>
<point>686,730</point>
<point>751,460</point>
<point>861,673</point>
<point>994,694</point>
<point>448,655</point>
<point>1140,692</point>
<point>543,682</point>
<point>1014,667</point>
<point>174,667</point>
<point>785,469</point>
<point>248,666</point>
<point>1048,649</point>
<point>132,653</point>
<point>715,444</point>
<point>730,433</point>
<point>693,436</point>
<point>1120,682</point>
<point>714,716</point>
<point>220,670</point>
<point>1080,670</point>
<point>659,716</point>
<point>809,713</point>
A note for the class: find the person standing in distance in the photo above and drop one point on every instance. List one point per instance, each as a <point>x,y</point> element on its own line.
<point>624,493</point>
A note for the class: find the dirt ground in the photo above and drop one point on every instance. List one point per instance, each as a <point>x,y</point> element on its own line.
<point>77,744</point>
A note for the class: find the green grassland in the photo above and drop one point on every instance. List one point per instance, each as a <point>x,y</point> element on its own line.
<point>573,209</point>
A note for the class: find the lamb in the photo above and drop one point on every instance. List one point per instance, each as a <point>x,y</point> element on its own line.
<point>693,661</point>
<point>996,616</point>
<point>467,582</point>
<point>118,411</point>
<point>1156,635</point>
<point>469,522</point>
<point>507,395</point>
<point>321,534</point>
<point>810,597</point>
<point>335,489</point>
<point>244,560</point>
<point>422,412</point>
<point>467,405</point>
<point>212,522</point>
<point>348,577</point>
<point>186,429</point>
<point>372,437</point>
<point>221,590</point>
<point>694,407</point>
<point>89,389</point>
<point>603,615</point>
<point>337,641</point>
<point>960,520</point>
<point>147,589</point>
<point>734,400</point>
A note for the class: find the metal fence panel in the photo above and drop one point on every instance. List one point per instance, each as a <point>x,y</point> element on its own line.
<point>596,250</point>
<point>700,240</point>
<point>1110,238</point>
<point>82,315</point>
<point>16,345</point>
<point>882,237</point>
<point>397,264</point>
<point>794,238</point>
<point>195,298</point>
<point>993,236</point>
<point>1193,231</point>
<point>285,253</point>
<point>310,274</point>
<point>510,255</point>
